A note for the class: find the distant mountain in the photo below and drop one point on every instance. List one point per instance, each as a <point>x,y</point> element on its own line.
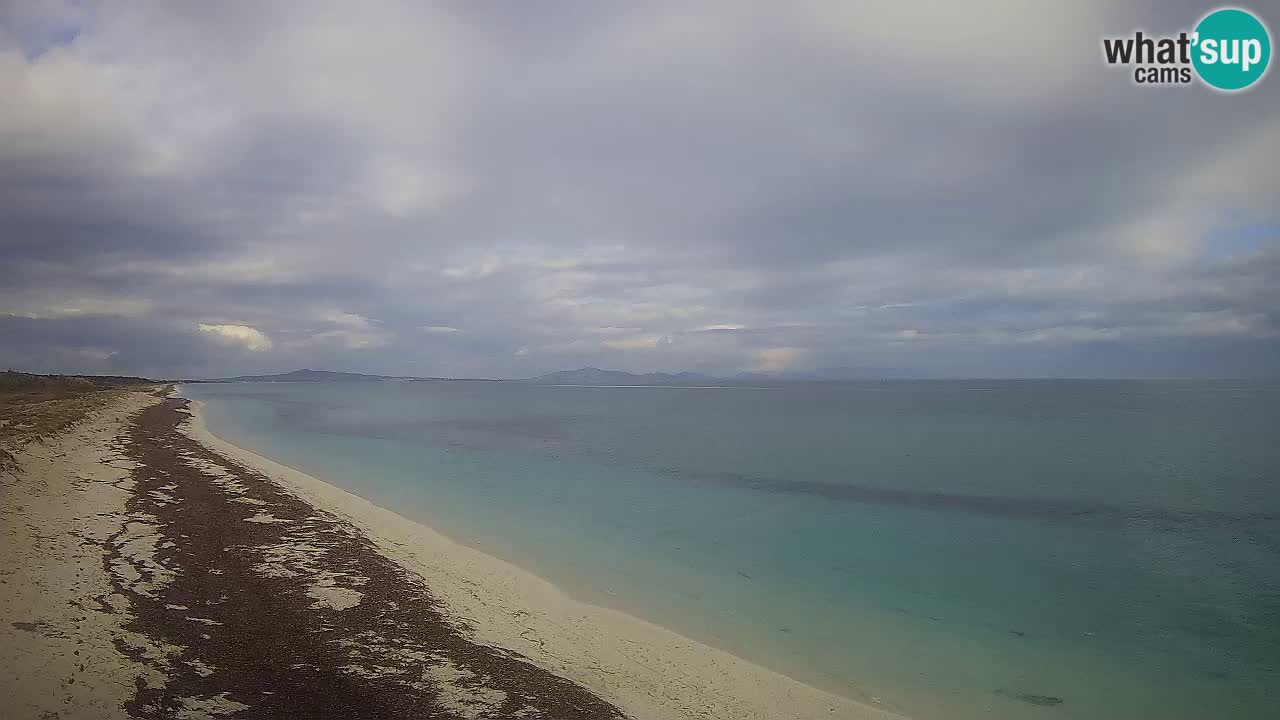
<point>316,376</point>
<point>596,376</point>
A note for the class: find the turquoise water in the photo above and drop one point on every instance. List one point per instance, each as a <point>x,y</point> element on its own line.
<point>952,549</point>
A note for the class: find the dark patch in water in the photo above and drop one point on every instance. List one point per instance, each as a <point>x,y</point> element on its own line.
<point>1043,700</point>
<point>544,432</point>
<point>1032,508</point>
<point>1033,698</point>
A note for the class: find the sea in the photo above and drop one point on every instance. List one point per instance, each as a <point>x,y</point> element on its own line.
<point>948,549</point>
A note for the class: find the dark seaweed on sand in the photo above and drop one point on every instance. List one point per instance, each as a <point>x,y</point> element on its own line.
<point>238,635</point>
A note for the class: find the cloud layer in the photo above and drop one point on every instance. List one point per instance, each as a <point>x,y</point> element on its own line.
<point>204,189</point>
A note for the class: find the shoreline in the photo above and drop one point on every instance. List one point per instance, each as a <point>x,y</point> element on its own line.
<point>647,670</point>
<point>255,602</point>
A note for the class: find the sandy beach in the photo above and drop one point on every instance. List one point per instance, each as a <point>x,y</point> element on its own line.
<point>60,507</point>
<point>158,571</point>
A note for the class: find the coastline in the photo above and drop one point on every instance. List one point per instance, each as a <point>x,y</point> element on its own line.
<point>646,670</point>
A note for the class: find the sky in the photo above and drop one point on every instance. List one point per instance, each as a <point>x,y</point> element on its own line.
<point>502,189</point>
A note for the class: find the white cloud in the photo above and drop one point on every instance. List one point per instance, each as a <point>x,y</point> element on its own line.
<point>61,305</point>
<point>97,354</point>
<point>345,330</point>
<point>778,358</point>
<point>345,339</point>
<point>354,321</point>
<point>482,268</point>
<point>249,337</point>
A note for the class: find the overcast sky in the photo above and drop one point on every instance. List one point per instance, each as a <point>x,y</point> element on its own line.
<point>506,188</point>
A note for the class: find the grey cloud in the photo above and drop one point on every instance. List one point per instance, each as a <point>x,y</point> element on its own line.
<point>837,195</point>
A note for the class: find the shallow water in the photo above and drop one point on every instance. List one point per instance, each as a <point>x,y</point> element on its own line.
<point>1015,549</point>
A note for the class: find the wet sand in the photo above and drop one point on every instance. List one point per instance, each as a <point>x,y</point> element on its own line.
<point>211,582</point>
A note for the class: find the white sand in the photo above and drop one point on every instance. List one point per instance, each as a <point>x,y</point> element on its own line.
<point>649,671</point>
<point>57,657</point>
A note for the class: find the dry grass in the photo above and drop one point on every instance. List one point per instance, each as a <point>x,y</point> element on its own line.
<point>35,407</point>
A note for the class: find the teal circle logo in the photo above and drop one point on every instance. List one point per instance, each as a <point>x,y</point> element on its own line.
<point>1231,49</point>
